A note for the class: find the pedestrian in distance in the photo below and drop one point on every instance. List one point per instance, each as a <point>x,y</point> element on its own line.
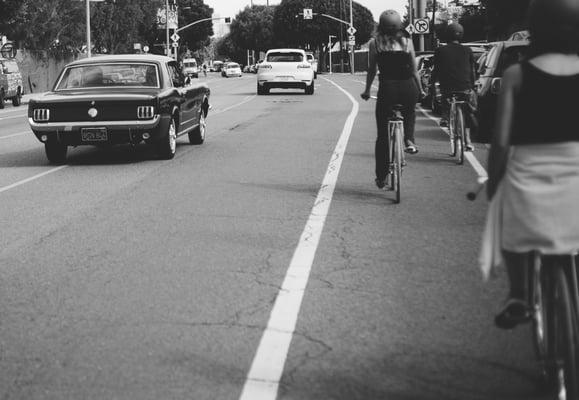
<point>204,69</point>
<point>533,162</point>
<point>455,70</point>
<point>392,54</point>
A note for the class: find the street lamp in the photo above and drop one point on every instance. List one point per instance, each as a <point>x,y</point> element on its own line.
<point>330,49</point>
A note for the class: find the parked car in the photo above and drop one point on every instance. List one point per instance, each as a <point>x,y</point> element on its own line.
<point>232,69</point>
<point>313,62</point>
<point>501,56</point>
<point>11,87</point>
<point>190,67</point>
<point>217,65</point>
<point>286,69</point>
<point>88,105</point>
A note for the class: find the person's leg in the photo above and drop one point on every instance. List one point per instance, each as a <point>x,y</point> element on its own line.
<point>516,308</point>
<point>471,121</point>
<point>444,110</point>
<point>383,109</point>
<point>409,97</point>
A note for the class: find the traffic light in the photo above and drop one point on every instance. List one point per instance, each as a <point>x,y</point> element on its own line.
<point>227,20</point>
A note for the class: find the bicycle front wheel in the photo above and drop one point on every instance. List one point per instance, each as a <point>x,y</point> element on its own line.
<point>541,303</point>
<point>452,130</point>
<point>564,337</point>
<point>459,135</point>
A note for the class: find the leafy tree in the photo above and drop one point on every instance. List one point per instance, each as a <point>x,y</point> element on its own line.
<point>227,48</point>
<point>196,36</point>
<point>9,11</point>
<point>252,28</point>
<point>505,17</point>
<point>116,26</point>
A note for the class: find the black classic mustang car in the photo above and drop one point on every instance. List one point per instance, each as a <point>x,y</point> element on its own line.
<point>119,99</point>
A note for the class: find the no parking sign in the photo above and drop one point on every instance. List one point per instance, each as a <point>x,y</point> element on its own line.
<point>422,26</point>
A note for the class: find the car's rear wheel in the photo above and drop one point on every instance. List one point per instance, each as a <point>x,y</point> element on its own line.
<point>310,88</point>
<point>17,100</point>
<point>261,90</point>
<point>197,135</point>
<point>1,98</point>
<point>167,145</point>
<point>55,152</point>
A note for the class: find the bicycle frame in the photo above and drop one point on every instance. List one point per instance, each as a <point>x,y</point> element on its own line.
<point>396,153</point>
<point>456,119</point>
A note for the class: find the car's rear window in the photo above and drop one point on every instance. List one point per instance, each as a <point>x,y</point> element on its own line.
<point>231,66</point>
<point>285,57</point>
<point>109,75</point>
<point>511,55</point>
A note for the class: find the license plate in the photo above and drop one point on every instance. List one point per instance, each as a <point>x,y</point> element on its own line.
<point>94,134</point>
<point>284,78</point>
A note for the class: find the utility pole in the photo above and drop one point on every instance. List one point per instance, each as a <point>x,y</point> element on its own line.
<point>167,27</point>
<point>352,47</point>
<point>88,52</point>
<point>421,13</point>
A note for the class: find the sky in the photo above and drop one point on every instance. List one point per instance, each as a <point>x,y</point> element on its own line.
<point>229,8</point>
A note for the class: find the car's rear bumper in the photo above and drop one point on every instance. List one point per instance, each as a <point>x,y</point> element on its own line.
<point>118,132</point>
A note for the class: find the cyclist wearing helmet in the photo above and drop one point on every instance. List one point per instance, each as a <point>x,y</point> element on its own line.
<point>534,157</point>
<point>454,69</point>
<point>392,52</point>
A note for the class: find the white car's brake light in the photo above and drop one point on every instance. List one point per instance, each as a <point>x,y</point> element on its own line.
<point>145,112</point>
<point>41,115</point>
<point>264,66</point>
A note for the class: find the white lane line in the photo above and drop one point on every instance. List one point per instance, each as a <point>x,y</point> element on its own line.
<point>474,162</point>
<point>246,100</point>
<point>263,379</point>
<point>6,188</point>
<point>13,135</point>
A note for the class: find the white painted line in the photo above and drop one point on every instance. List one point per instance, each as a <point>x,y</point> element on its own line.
<point>246,100</point>
<point>473,161</point>
<point>263,379</point>
<point>6,188</point>
<point>13,135</point>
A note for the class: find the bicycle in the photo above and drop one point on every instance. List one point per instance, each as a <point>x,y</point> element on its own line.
<point>395,149</point>
<point>456,126</point>
<point>553,300</point>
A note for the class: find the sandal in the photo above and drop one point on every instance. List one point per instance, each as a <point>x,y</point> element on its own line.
<point>514,312</point>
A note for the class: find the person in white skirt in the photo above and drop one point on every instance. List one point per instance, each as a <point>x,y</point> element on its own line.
<point>533,162</point>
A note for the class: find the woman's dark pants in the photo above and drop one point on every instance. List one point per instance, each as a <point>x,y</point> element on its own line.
<point>390,93</point>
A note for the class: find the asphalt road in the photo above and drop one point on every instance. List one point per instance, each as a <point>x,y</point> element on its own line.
<point>126,277</point>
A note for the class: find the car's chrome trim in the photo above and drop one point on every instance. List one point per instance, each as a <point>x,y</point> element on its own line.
<point>70,126</point>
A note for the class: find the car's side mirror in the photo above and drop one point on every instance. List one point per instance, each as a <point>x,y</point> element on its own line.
<point>496,85</point>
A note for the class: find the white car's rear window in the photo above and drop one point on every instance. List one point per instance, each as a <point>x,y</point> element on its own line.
<point>285,57</point>
<point>107,75</point>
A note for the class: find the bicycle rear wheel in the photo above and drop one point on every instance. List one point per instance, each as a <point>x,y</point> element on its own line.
<point>541,304</point>
<point>397,173</point>
<point>564,337</point>
<point>452,129</point>
<point>459,135</point>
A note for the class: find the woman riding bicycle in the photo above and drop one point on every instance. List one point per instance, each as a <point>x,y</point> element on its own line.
<point>393,53</point>
<point>534,159</point>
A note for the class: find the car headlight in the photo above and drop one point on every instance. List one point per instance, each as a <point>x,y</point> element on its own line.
<point>145,112</point>
<point>41,115</point>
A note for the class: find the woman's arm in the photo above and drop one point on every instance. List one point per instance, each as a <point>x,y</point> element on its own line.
<point>500,145</point>
<point>371,69</point>
<point>410,48</point>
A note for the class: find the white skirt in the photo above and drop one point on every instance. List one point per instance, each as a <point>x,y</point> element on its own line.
<point>537,204</point>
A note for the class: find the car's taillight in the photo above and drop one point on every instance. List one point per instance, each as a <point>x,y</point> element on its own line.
<point>264,66</point>
<point>41,115</point>
<point>304,66</point>
<point>145,112</point>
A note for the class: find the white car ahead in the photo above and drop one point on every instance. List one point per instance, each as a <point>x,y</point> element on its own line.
<point>286,69</point>
<point>312,60</point>
<point>232,69</point>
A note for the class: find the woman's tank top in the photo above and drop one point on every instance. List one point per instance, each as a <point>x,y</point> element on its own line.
<point>545,108</point>
<point>394,61</point>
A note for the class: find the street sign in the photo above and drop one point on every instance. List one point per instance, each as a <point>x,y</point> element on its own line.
<point>352,43</point>
<point>422,26</point>
<point>351,31</point>
<point>352,38</point>
<point>308,13</point>
<point>175,44</point>
<point>175,37</point>
<point>410,29</point>
<point>146,49</point>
